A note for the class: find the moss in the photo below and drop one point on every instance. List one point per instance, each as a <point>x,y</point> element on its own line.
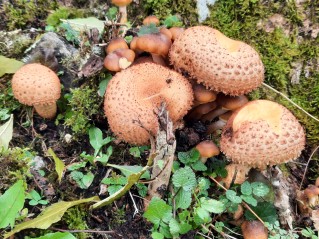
<point>14,43</point>
<point>8,103</point>
<point>81,106</point>
<point>63,13</point>
<point>15,165</point>
<point>22,13</point>
<point>74,218</point>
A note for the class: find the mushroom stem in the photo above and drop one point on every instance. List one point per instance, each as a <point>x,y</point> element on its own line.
<point>159,59</point>
<point>47,111</point>
<point>123,14</point>
<point>213,114</point>
<point>215,126</point>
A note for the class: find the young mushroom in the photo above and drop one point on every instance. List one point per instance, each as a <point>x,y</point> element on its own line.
<point>203,95</point>
<point>119,59</point>
<point>216,61</point>
<point>116,43</point>
<point>254,230</point>
<point>38,86</point>
<point>122,8</point>
<point>207,149</point>
<point>133,96</point>
<point>236,174</point>
<point>157,44</point>
<point>312,193</point>
<point>151,20</point>
<point>262,133</point>
<point>198,111</point>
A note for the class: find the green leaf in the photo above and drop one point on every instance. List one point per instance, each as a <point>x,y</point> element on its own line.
<point>184,178</point>
<point>158,211</point>
<point>135,152</point>
<point>35,195</point>
<point>8,65</point>
<point>103,84</point>
<point>127,170</point>
<point>260,189</point>
<point>87,180</point>
<point>265,210</point>
<point>57,235</point>
<point>212,205</point>
<point>246,188</point>
<point>172,21</point>
<point>249,199</point>
<point>189,157</point>
<point>83,24</point>
<point>183,199</point>
<point>111,13</point>
<point>112,189</point>
<point>104,158</point>
<point>185,227</point>
<point>199,166</point>
<point>96,139</point>
<point>141,189</point>
<point>174,228</point>
<point>6,131</point>
<point>203,214</point>
<point>11,202</point>
<point>149,29</point>
<point>49,215</point>
<point>59,164</point>
<point>232,196</point>
<point>157,235</point>
<point>76,166</point>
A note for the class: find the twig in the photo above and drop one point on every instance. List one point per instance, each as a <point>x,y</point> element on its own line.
<point>306,169</point>
<point>286,97</point>
<point>243,203</point>
<point>136,211</point>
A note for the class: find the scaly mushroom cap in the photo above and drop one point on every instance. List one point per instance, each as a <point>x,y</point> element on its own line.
<point>36,84</point>
<point>262,133</point>
<point>216,61</point>
<point>134,95</point>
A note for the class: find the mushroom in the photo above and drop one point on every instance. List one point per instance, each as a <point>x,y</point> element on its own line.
<point>236,174</point>
<point>226,103</point>
<point>176,32</point>
<point>312,193</point>
<point>216,61</point>
<point>207,149</point>
<point>262,133</point>
<point>119,59</point>
<point>203,95</point>
<point>134,94</point>
<point>197,112</point>
<point>157,44</point>
<point>151,20</point>
<point>122,8</point>
<point>254,229</point>
<point>38,86</point>
<point>116,43</point>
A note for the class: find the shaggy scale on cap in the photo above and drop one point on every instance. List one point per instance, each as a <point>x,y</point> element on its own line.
<point>37,85</point>
<point>216,61</point>
<point>262,133</point>
<point>134,95</point>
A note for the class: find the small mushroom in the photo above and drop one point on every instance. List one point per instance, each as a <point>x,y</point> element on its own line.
<point>119,59</point>
<point>116,43</point>
<point>218,62</point>
<point>38,86</point>
<point>122,8</point>
<point>225,103</point>
<point>151,20</point>
<point>262,133</point>
<point>219,124</point>
<point>254,230</point>
<point>207,149</point>
<point>157,44</point>
<point>197,112</point>
<point>312,193</point>
<point>176,32</point>
<point>133,96</point>
<point>203,95</point>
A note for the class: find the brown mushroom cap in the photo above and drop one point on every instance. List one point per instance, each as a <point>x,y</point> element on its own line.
<point>231,102</point>
<point>207,149</point>
<point>119,59</point>
<point>121,3</point>
<point>202,94</point>
<point>133,96</point>
<point>262,133</point>
<point>254,229</point>
<point>216,61</point>
<point>176,32</point>
<point>37,85</point>
<point>151,19</point>
<point>116,43</point>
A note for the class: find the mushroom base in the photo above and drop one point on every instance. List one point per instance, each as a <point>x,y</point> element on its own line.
<point>47,111</point>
